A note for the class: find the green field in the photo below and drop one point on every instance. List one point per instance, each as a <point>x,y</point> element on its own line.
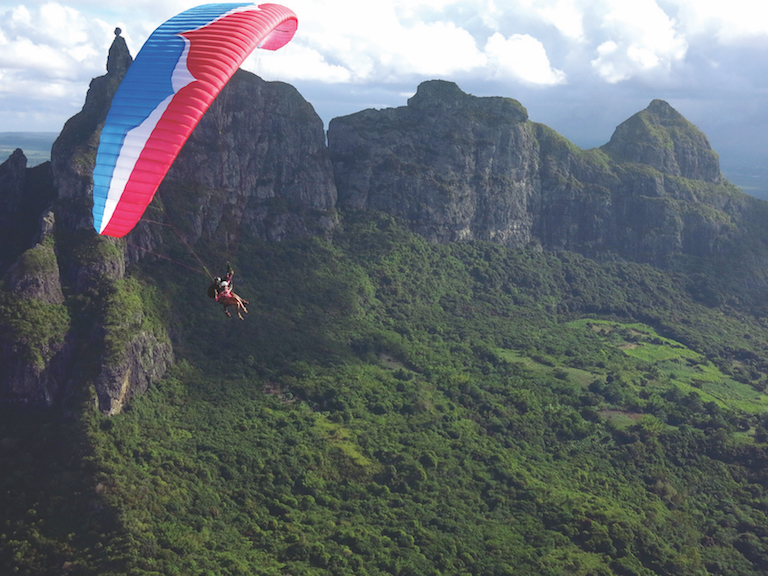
<point>673,364</point>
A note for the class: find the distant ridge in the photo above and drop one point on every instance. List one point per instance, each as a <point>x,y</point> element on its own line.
<point>36,145</point>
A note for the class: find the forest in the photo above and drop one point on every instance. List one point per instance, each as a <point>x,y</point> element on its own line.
<point>394,406</point>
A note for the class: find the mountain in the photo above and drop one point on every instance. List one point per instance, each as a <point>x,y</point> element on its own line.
<point>459,167</point>
<point>242,166</point>
<point>471,348</point>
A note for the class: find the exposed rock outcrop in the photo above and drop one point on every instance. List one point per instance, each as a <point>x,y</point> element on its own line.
<point>456,166</point>
<point>73,154</point>
<point>24,194</point>
<point>256,164</point>
<point>142,361</point>
<point>662,138</point>
<point>12,192</point>
<point>42,349</point>
<point>35,349</point>
<point>35,276</point>
<point>653,192</point>
<point>34,379</point>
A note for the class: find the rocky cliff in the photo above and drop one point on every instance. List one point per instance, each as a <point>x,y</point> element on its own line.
<point>35,342</point>
<point>459,167</point>
<point>26,193</point>
<point>652,193</point>
<point>660,137</point>
<point>257,165</point>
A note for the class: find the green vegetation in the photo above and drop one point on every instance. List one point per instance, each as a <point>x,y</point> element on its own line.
<point>391,406</point>
<point>130,307</point>
<point>31,328</point>
<point>39,260</point>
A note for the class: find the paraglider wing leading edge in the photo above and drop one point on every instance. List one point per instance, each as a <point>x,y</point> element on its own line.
<point>177,74</point>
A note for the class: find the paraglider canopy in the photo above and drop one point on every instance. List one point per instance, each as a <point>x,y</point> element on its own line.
<point>178,72</point>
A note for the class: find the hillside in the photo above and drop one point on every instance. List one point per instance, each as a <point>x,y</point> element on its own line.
<point>471,348</point>
<point>395,406</point>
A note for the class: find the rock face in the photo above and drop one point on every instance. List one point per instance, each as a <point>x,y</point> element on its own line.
<point>44,349</point>
<point>653,192</point>
<point>33,362</point>
<point>24,194</point>
<point>257,165</point>
<point>73,154</point>
<point>36,353</point>
<point>458,167</point>
<point>662,138</point>
<point>35,276</point>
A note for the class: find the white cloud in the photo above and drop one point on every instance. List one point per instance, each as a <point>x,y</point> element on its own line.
<point>522,57</point>
<point>604,62</point>
<point>68,24</point>
<point>52,42</point>
<point>48,55</point>
<point>384,41</point>
<point>566,16</point>
<point>296,62</point>
<point>641,37</point>
<point>731,22</point>
<point>439,48</point>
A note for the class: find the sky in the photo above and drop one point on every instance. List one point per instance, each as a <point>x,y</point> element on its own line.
<point>579,66</point>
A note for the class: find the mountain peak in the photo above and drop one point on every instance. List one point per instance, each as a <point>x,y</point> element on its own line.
<point>662,109</point>
<point>437,92</point>
<point>119,58</point>
<point>442,96</point>
<point>662,138</point>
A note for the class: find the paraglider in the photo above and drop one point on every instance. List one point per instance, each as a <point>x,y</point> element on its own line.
<point>221,291</point>
<point>177,74</point>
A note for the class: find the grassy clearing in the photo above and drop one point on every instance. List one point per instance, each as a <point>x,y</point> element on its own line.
<point>675,364</point>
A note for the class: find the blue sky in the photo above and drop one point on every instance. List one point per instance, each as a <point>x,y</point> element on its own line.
<point>579,66</point>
